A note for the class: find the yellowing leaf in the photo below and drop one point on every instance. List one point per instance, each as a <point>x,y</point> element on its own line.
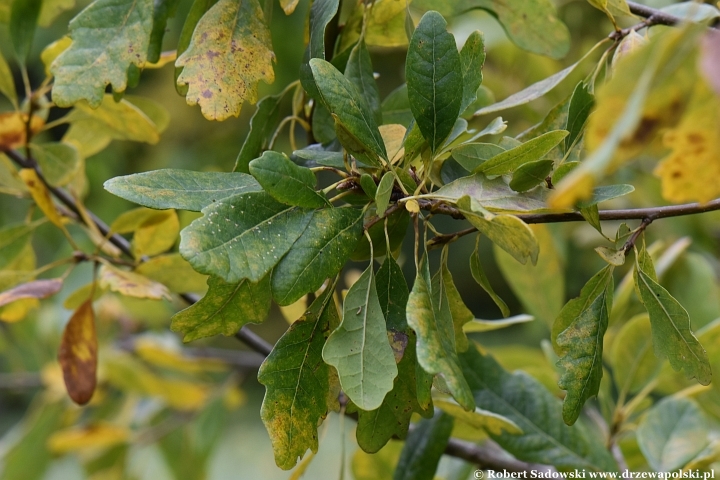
<point>108,37</point>
<point>13,129</point>
<point>156,236</point>
<point>103,435</point>
<point>18,310</point>
<point>131,284</point>
<point>127,374</point>
<point>78,354</point>
<point>52,51</point>
<point>230,52</point>
<point>385,25</point>
<point>41,195</point>
<point>154,353</point>
<point>289,6</point>
<point>691,170</point>
<point>51,9</point>
<point>393,137</point>
<point>174,272</point>
<point>117,120</point>
<point>479,418</point>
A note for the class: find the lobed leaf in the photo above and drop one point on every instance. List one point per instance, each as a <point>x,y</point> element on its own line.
<point>392,419</point>
<point>230,52</point>
<point>671,334</point>
<point>359,347</point>
<point>319,253</point>
<point>243,236</point>
<point>297,385</point>
<point>429,315</point>
<point>580,343</point>
<point>108,37</point>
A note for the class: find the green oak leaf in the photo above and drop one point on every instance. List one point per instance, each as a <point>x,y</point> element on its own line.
<point>59,162</point>
<point>164,10</point>
<point>297,383</point>
<point>478,274</point>
<point>631,356</point>
<point>423,448</point>
<point>435,79</point>
<point>7,82</point>
<point>494,195</point>
<point>472,59</point>
<point>359,71</point>
<point>530,175</point>
<point>674,432</point>
<point>605,193</point>
<point>262,127</point>
<point>23,22</point>
<point>506,231</point>
<point>429,315</point>
<point>355,123</point>
<point>536,411</point>
<point>243,236</point>
<point>582,102</point>
<point>471,155</point>
<point>286,182</point>
<point>671,334</point>
<point>461,314</point>
<point>108,37</point>
<point>392,419</point>
<point>230,52</point>
<point>319,253</point>
<point>359,348</point>
<point>197,10</point>
<point>180,189</point>
<point>479,418</point>
<point>224,309</point>
<point>580,343</point>
<point>509,160</point>
<point>384,193</point>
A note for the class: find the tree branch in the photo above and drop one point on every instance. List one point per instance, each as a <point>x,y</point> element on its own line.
<point>658,17</point>
<point>646,214</point>
<point>489,456</point>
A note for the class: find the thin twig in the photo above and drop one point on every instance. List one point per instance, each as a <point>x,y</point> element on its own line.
<point>488,456</point>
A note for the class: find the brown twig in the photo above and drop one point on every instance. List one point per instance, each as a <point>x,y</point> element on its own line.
<point>652,17</point>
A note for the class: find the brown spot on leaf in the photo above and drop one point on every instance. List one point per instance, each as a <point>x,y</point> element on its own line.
<point>207,94</point>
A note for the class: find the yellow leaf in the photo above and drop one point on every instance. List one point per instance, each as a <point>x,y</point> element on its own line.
<point>691,171</point>
<point>75,299</point>
<point>52,51</point>
<point>289,6</point>
<point>393,137</point>
<point>41,195</point>
<point>154,353</point>
<point>99,436</point>
<point>165,58</point>
<point>412,206</point>
<point>117,120</point>
<point>230,52</point>
<point>131,284</point>
<point>125,373</point>
<point>18,310</point>
<point>294,311</point>
<point>13,129</point>
<point>174,272</point>
<point>157,235</point>
<point>233,398</point>
<point>78,354</point>
<point>385,25</point>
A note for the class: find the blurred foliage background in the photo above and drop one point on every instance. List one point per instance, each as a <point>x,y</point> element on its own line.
<point>164,414</point>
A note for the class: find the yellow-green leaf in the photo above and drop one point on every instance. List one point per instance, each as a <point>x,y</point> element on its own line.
<point>230,52</point>
<point>108,37</point>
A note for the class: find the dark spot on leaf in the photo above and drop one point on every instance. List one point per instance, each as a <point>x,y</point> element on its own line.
<point>207,94</point>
